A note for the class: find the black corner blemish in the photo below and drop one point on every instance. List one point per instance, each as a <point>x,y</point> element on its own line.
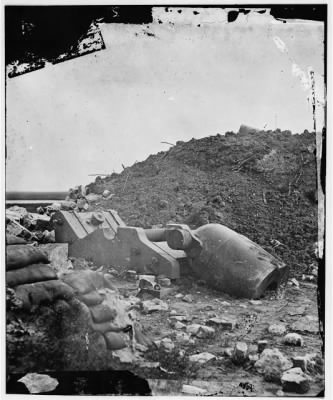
<point>45,38</point>
<point>166,9</point>
<point>159,21</point>
<point>196,12</point>
<point>232,16</point>
<point>180,11</point>
<point>300,11</point>
<point>198,25</point>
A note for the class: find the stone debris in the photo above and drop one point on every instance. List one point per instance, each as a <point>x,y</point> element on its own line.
<point>294,282</point>
<point>146,281</point>
<point>295,380</point>
<point>205,332</point>
<point>184,337</point>
<point>300,362</point>
<point>131,275</point>
<point>262,344</point>
<point>148,294</point>
<point>150,364</point>
<point>150,306</point>
<point>211,315</point>
<point>240,353</point>
<point>308,278</point>
<point>293,339</point>
<point>253,348</point>
<point>107,195</point>
<point>271,364</point>
<point>22,225</point>
<point>307,324</point>
<point>193,329</point>
<point>179,296</point>
<point>225,324</point>
<point>180,318</point>
<point>167,345</point>
<point>125,356</point>
<point>181,353</point>
<point>228,352</point>
<point>188,298</point>
<point>202,358</point>
<point>253,358</point>
<point>39,383</point>
<point>200,331</point>
<point>277,329</point>
<point>93,197</point>
<point>179,325</point>
<point>225,303</point>
<point>255,302</point>
<point>312,363</point>
<point>193,390</point>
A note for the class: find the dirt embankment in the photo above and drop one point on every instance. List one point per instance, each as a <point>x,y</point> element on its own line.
<point>261,184</point>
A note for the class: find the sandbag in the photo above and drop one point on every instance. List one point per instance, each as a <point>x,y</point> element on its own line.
<point>35,294</point>
<point>32,273</point>
<point>19,256</point>
<point>108,282</point>
<point>84,281</point>
<point>102,313</point>
<point>12,239</point>
<point>114,341</point>
<point>92,298</point>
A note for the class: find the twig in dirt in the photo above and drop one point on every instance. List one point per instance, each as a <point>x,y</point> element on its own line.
<point>239,165</point>
<point>299,176</point>
<point>264,196</point>
<point>126,181</point>
<point>276,243</point>
<point>282,307</point>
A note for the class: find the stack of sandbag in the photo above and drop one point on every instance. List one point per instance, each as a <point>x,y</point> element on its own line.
<point>33,279</point>
<point>108,311</point>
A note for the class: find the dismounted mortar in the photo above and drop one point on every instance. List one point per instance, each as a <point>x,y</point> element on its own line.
<point>228,261</point>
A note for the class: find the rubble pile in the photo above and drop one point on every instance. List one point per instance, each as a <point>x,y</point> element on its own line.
<point>23,226</point>
<point>260,184</point>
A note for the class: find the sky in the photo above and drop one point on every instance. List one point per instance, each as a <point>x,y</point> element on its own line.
<point>94,113</point>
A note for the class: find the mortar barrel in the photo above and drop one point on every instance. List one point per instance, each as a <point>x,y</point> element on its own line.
<point>156,235</point>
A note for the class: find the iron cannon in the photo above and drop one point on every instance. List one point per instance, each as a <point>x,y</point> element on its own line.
<point>225,259</point>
